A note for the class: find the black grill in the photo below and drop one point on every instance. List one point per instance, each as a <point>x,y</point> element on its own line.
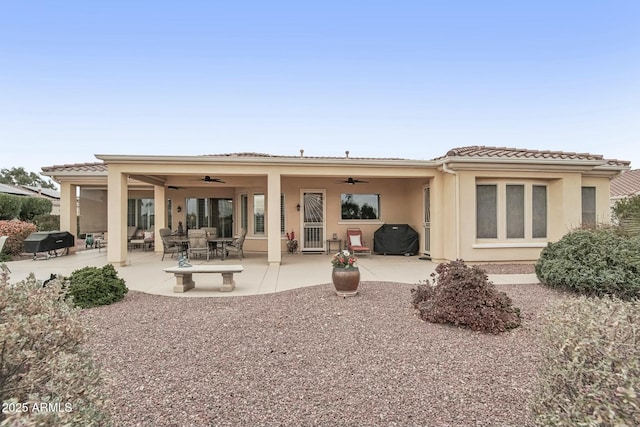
<point>396,239</point>
<point>49,242</point>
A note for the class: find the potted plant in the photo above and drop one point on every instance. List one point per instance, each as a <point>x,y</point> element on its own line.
<point>292,243</point>
<point>345,275</point>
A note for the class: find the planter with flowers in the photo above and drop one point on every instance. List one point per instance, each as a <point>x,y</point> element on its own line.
<point>345,275</point>
<point>292,243</point>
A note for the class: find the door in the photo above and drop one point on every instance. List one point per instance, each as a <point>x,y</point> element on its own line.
<point>313,226</point>
<point>427,220</point>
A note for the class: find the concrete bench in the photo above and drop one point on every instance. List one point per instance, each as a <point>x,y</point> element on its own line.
<point>184,280</point>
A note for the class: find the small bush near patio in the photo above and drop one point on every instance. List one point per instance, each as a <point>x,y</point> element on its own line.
<point>589,374</point>
<point>592,262</point>
<point>17,231</point>
<point>463,295</point>
<point>92,286</point>
<point>46,379</point>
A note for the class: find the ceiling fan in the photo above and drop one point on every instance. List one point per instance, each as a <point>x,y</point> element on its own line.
<point>352,181</point>
<point>207,178</point>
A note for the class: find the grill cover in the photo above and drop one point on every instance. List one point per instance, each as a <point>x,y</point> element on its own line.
<point>47,241</point>
<point>396,239</point>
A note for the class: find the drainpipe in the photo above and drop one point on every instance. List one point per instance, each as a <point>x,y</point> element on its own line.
<point>445,168</point>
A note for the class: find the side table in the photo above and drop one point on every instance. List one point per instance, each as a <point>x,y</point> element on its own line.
<point>330,241</point>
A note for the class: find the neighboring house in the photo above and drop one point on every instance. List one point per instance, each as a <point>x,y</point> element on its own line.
<point>625,185</point>
<point>32,191</point>
<point>480,204</point>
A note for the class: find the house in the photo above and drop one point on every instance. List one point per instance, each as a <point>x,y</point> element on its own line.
<point>33,191</point>
<point>480,204</point>
<point>625,185</point>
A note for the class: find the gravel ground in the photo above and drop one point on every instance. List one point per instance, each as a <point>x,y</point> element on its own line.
<point>309,358</point>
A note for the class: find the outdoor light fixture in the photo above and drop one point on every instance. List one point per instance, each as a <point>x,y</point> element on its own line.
<point>298,207</point>
<point>179,208</point>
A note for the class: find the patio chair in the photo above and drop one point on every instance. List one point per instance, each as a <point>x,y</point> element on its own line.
<point>198,243</point>
<point>236,245</point>
<point>168,247</point>
<point>212,233</point>
<point>356,243</point>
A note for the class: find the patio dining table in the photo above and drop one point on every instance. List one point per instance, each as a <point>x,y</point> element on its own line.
<point>182,242</point>
<point>219,243</point>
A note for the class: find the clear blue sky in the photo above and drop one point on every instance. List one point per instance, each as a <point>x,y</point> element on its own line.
<point>405,79</point>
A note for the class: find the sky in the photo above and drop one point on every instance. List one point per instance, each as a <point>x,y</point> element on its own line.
<point>408,79</point>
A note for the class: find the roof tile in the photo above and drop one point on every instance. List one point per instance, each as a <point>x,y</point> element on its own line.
<point>626,184</point>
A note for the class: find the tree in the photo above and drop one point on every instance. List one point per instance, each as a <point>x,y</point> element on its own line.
<point>19,176</point>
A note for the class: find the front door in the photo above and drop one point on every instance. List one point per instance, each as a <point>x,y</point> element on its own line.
<point>313,226</point>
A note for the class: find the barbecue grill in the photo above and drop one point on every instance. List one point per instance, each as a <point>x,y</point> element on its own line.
<point>50,242</point>
<point>397,239</point>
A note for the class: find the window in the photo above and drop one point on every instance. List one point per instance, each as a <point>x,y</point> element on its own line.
<point>515,211</point>
<point>588,205</point>
<point>211,212</point>
<point>258,213</point>
<point>360,206</point>
<point>511,211</point>
<point>539,208</point>
<point>282,210</point>
<point>244,211</point>
<point>487,211</point>
<point>140,213</point>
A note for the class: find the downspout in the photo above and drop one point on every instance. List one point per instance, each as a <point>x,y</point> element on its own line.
<point>445,168</point>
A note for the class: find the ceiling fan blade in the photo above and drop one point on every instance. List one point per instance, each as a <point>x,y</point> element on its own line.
<point>352,181</point>
<point>207,178</point>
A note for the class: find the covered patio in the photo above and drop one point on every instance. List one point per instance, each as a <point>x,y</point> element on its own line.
<point>143,272</point>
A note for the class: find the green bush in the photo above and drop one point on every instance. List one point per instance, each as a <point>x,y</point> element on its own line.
<point>32,206</point>
<point>9,206</point>
<point>17,231</point>
<point>42,361</point>
<point>47,222</point>
<point>92,286</point>
<point>463,295</point>
<point>589,374</point>
<point>592,262</point>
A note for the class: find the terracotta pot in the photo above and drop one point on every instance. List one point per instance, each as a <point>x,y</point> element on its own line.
<point>346,281</point>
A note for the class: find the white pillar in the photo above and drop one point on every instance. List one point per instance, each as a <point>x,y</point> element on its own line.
<point>160,214</point>
<point>273,218</point>
<point>69,209</point>
<point>117,216</point>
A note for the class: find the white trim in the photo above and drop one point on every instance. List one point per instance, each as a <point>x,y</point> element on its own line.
<point>508,245</point>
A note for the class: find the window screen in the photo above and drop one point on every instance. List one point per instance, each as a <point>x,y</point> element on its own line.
<point>486,211</point>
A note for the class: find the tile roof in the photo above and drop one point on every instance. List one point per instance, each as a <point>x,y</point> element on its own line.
<point>523,153</point>
<point>301,156</point>
<point>77,167</point>
<point>626,184</point>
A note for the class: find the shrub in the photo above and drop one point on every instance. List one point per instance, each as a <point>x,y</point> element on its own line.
<point>590,369</point>
<point>592,262</point>
<point>32,206</point>
<point>463,295</point>
<point>17,231</point>
<point>42,361</point>
<point>47,222</point>
<point>9,206</point>
<point>92,286</point>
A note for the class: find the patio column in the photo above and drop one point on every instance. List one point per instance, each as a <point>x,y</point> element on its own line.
<point>117,216</point>
<point>273,218</point>
<point>69,209</point>
<point>160,214</point>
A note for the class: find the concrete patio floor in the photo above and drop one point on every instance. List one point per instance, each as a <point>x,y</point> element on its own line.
<point>144,272</point>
